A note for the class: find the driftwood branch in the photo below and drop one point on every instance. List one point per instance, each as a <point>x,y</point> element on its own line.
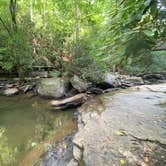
<point>69,102</point>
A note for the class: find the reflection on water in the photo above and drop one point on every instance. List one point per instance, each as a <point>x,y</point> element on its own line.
<point>7,153</point>
<point>24,123</point>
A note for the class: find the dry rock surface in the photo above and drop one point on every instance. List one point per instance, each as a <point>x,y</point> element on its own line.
<point>124,128</point>
<point>52,87</point>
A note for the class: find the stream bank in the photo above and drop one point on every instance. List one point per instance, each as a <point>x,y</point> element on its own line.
<point>63,87</point>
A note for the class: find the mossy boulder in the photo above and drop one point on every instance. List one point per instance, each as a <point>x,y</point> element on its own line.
<point>52,87</point>
<point>78,84</point>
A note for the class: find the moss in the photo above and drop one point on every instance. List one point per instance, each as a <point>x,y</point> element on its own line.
<point>82,163</point>
<point>163,104</point>
<point>7,153</point>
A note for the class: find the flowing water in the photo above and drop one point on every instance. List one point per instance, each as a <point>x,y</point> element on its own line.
<point>27,124</point>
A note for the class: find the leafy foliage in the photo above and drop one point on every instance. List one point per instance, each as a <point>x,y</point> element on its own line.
<point>134,30</point>
<point>69,36</point>
<point>85,64</point>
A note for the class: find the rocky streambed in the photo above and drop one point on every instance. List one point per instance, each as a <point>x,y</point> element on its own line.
<point>117,127</point>
<point>127,127</point>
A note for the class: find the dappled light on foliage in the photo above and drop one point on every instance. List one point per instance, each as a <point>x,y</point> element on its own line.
<point>63,34</point>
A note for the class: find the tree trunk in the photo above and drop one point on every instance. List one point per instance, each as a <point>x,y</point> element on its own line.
<point>161,48</point>
<point>13,5</point>
<point>77,26</point>
<point>31,10</point>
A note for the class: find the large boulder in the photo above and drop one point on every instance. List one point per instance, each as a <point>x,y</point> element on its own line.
<point>110,80</point>
<point>116,80</point>
<point>78,84</point>
<point>52,87</point>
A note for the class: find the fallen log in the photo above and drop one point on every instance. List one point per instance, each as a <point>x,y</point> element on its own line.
<point>161,48</point>
<point>73,101</point>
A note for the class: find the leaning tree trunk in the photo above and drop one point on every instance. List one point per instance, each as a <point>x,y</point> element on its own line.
<point>5,26</point>
<point>13,5</point>
<point>77,27</point>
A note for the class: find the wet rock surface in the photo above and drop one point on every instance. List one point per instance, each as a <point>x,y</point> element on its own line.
<point>124,128</point>
<point>10,91</point>
<point>15,86</point>
<point>61,154</point>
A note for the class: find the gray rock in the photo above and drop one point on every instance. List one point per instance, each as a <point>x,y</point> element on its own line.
<point>72,163</point>
<point>112,79</point>
<point>11,91</point>
<point>132,79</point>
<point>9,85</point>
<point>133,121</point>
<point>77,153</point>
<point>27,88</point>
<point>78,84</point>
<point>52,87</point>
<point>2,85</point>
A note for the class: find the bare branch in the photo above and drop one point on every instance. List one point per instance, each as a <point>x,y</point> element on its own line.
<point>122,2</point>
<point>162,48</point>
<point>5,26</point>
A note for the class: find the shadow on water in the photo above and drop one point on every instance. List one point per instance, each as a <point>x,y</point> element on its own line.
<point>27,124</point>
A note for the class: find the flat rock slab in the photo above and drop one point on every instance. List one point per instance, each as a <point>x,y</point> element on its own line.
<point>124,128</point>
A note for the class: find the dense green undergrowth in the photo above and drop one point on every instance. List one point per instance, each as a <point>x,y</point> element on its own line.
<point>87,37</point>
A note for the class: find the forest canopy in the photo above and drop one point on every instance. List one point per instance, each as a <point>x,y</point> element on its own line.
<point>125,35</point>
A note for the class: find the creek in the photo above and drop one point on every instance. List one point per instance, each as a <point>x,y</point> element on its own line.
<point>28,128</point>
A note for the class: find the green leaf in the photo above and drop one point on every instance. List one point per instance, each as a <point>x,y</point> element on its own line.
<point>147,3</point>
<point>149,33</point>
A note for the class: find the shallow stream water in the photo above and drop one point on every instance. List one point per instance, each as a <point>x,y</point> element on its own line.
<point>26,124</point>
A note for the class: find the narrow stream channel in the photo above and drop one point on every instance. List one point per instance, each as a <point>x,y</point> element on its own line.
<point>27,125</point>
